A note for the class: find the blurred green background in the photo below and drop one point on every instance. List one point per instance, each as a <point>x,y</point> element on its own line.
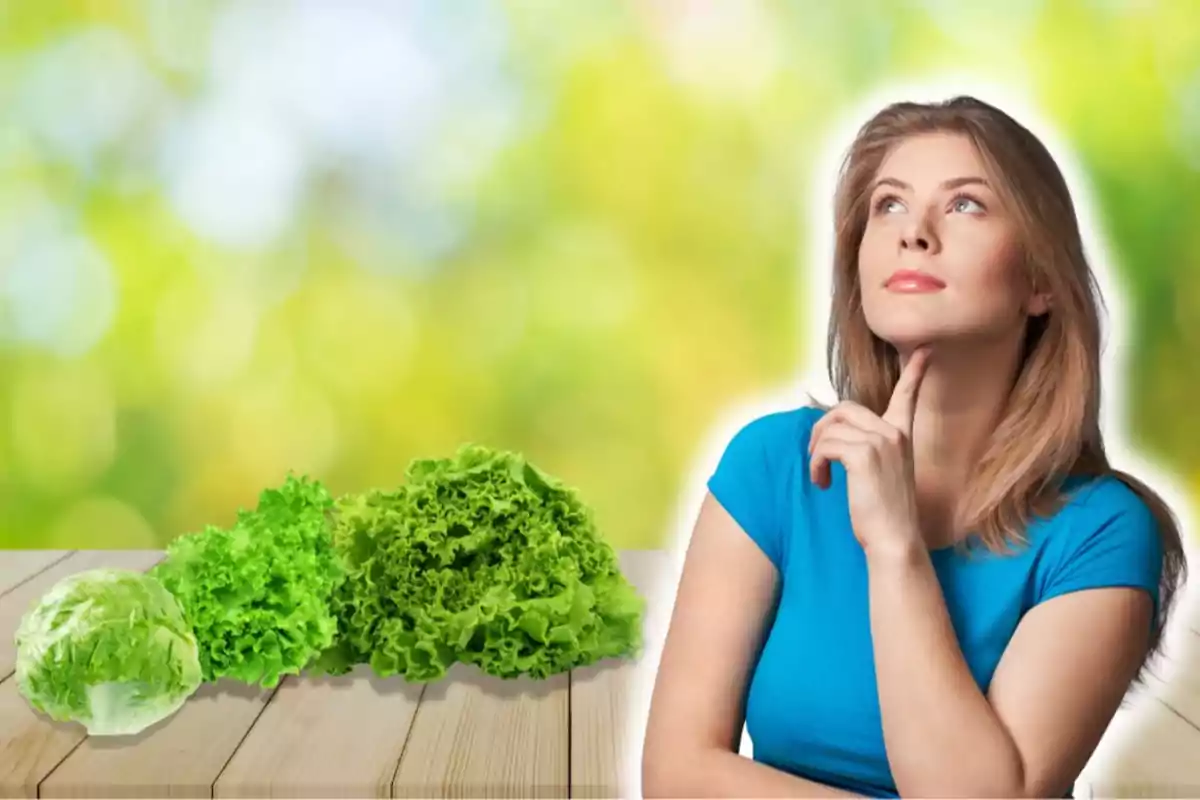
<point>243,238</point>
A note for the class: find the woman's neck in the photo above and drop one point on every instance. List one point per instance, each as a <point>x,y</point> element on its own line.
<point>961,399</point>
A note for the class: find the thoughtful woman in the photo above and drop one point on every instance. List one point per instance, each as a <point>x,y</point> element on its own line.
<point>938,587</point>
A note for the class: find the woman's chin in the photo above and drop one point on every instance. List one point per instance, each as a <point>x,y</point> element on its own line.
<point>908,340</point>
<point>966,342</point>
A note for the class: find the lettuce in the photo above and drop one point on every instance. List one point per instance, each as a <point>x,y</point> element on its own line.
<point>108,648</point>
<point>479,558</point>
<point>258,594</point>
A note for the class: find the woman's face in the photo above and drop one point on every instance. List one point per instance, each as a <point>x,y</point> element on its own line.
<point>939,259</point>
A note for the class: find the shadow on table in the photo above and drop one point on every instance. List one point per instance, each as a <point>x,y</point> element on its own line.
<point>461,675</point>
<point>207,693</point>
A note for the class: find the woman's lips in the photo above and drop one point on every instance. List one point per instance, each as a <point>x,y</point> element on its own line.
<point>910,281</point>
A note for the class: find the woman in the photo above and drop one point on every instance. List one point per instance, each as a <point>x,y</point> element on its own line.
<point>939,587</point>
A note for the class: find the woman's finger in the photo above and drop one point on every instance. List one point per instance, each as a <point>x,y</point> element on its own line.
<point>903,405</point>
<point>853,414</point>
<point>843,445</point>
<point>838,430</point>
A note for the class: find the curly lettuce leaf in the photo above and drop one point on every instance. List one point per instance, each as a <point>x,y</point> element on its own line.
<point>258,594</point>
<point>479,558</point>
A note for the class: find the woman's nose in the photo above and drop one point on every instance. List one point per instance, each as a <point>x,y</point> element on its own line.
<point>919,236</point>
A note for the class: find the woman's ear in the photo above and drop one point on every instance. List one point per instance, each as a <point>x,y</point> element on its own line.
<point>1039,304</point>
<point>1038,301</point>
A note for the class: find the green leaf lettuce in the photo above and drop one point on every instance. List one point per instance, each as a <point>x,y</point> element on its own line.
<point>479,558</point>
<point>258,594</point>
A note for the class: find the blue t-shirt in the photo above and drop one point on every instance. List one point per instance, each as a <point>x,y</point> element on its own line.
<point>813,707</point>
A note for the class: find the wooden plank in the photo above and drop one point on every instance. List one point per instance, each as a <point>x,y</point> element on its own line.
<point>17,566</point>
<point>31,745</point>
<point>181,756</point>
<point>479,736</point>
<point>20,599</point>
<point>1151,748</point>
<point>1153,755</point>
<point>601,695</point>
<point>325,737</point>
<point>1180,688</point>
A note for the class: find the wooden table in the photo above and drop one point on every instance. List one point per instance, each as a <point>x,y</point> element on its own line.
<point>466,736</point>
<point>469,735</point>
<point>1152,747</point>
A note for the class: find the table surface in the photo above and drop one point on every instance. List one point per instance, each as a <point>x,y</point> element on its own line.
<point>469,735</point>
<point>352,736</point>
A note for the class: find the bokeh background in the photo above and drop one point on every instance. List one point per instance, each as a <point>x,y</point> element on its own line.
<point>244,238</point>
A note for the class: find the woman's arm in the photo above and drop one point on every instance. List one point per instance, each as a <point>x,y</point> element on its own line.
<point>1058,685</point>
<point>725,598</point>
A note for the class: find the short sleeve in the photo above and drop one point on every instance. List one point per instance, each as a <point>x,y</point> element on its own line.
<point>753,476</point>
<point>1116,542</point>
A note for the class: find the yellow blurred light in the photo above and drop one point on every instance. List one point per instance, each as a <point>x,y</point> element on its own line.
<point>206,337</point>
<point>100,523</point>
<point>356,333</point>
<point>719,49</point>
<point>211,493</point>
<point>277,426</point>
<point>586,279</point>
<point>63,427</point>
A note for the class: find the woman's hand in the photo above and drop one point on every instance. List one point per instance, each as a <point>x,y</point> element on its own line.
<point>876,453</point>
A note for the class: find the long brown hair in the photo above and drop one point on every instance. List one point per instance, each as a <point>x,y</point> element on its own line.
<point>1050,428</point>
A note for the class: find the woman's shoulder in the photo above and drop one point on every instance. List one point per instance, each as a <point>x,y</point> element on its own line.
<point>780,429</point>
<point>768,444</point>
<point>1104,517</point>
<point>753,476</point>
<point>1102,498</point>
<point>1105,534</point>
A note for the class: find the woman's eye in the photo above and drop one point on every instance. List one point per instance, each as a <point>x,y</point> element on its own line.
<point>967,205</point>
<point>886,204</point>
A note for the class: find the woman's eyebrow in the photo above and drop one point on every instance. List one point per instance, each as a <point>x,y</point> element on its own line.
<point>952,183</point>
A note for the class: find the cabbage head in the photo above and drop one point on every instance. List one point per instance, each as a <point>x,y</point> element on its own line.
<point>108,648</point>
